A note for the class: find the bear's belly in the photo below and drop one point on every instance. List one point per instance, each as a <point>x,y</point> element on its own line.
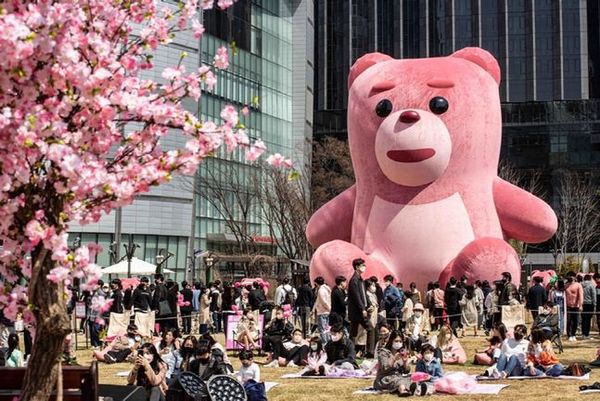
<point>417,242</point>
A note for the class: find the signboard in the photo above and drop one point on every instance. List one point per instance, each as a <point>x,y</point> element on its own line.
<point>232,322</point>
<point>80,310</point>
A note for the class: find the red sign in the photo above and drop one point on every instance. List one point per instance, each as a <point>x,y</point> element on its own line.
<point>263,239</point>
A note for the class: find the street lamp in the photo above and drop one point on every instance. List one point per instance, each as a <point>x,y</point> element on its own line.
<point>129,252</point>
<point>161,258</point>
<point>208,262</point>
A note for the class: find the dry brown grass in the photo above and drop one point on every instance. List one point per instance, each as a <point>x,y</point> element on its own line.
<point>333,390</point>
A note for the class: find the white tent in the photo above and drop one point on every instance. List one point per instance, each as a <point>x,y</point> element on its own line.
<point>138,266</point>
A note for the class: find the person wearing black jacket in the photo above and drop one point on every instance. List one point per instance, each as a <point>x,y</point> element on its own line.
<point>304,304</point>
<point>117,296</point>
<point>256,297</point>
<point>536,296</point>
<point>338,300</point>
<point>160,295</point>
<point>186,310</point>
<point>277,332</point>
<point>141,298</point>
<point>452,297</point>
<point>340,349</point>
<point>170,323</point>
<point>357,298</point>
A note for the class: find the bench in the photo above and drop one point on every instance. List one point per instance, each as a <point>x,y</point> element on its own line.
<point>80,383</point>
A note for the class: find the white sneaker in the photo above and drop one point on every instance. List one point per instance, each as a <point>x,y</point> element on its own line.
<point>272,364</point>
<point>495,373</point>
<point>291,364</point>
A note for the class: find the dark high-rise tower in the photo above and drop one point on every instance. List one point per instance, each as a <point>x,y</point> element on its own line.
<point>548,50</point>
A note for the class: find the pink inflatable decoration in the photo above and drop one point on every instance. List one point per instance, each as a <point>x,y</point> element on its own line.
<point>546,275</point>
<point>424,135</point>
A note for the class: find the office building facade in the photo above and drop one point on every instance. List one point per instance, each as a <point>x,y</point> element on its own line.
<point>548,51</point>
<point>271,68</point>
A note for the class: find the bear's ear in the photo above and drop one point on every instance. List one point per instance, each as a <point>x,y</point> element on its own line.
<point>364,62</point>
<point>482,58</point>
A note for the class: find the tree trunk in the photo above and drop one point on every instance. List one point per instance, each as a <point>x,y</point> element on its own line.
<point>48,300</point>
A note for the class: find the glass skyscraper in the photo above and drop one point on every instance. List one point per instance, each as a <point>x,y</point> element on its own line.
<point>548,51</point>
<point>271,70</point>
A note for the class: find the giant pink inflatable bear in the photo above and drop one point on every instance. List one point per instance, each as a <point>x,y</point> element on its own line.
<point>424,135</point>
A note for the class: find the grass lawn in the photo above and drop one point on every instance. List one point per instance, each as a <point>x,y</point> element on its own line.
<point>333,390</point>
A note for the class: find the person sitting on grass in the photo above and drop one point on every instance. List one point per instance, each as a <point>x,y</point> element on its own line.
<point>316,359</point>
<point>428,363</point>
<point>340,350</point>
<point>277,331</point>
<point>120,347</point>
<point>295,351</point>
<point>541,359</point>
<point>247,330</point>
<point>448,348</point>
<point>207,363</point>
<point>513,356</point>
<point>149,371</point>
<point>393,361</point>
<point>490,355</point>
<point>248,369</point>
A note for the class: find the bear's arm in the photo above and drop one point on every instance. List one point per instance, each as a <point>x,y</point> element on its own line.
<point>333,220</point>
<point>523,216</point>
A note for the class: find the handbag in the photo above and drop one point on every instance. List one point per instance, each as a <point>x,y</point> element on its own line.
<point>164,308</point>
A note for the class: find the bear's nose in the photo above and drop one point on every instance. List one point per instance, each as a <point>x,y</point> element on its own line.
<point>409,116</point>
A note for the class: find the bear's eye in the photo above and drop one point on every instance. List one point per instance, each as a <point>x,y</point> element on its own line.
<point>438,105</point>
<point>384,108</point>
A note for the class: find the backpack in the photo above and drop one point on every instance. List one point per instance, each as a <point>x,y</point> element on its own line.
<point>255,391</point>
<point>289,297</point>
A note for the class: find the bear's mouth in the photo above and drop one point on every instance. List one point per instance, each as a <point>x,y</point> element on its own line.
<point>410,156</point>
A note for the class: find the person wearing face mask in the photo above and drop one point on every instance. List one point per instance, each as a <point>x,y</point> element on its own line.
<point>295,351</point>
<point>448,348</point>
<point>365,339</point>
<point>316,361</point>
<point>394,366</point>
<point>427,363</point>
<point>417,328</point>
<point>513,354</point>
<point>340,349</point>
<point>207,363</point>
<point>188,346</point>
<point>384,333</point>
<point>547,320</point>
<point>278,330</point>
<point>358,308</point>
<point>120,347</point>
<point>149,372</point>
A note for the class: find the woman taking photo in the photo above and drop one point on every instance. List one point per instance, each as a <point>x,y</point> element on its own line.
<point>149,371</point>
<point>393,367</point>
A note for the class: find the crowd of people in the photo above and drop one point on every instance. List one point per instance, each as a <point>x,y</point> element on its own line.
<point>357,325</point>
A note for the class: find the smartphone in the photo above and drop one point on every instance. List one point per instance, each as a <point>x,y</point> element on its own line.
<point>140,352</point>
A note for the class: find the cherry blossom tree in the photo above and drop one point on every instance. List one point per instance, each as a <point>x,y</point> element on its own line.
<point>71,90</point>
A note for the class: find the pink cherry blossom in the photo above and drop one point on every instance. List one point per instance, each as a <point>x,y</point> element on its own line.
<point>278,160</point>
<point>245,111</point>
<point>255,151</point>
<point>198,29</point>
<point>221,59</point>
<point>223,4</point>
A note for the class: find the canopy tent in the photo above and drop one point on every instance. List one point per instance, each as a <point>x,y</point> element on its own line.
<point>138,266</point>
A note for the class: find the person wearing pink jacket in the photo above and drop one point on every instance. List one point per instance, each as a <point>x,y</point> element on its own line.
<point>322,308</point>
<point>574,301</point>
<point>448,348</point>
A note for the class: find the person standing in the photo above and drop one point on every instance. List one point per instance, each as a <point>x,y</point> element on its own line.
<point>304,305</point>
<point>256,297</point>
<point>452,298</point>
<point>285,294</point>
<point>94,319</point>
<point>438,305</point>
<point>536,296</point>
<point>589,305</point>
<point>357,299</point>
<point>322,308</point>
<point>574,299</point>
<point>509,290</point>
<point>597,281</point>
<point>160,295</point>
<point>414,294</point>
<point>339,306</point>
<point>215,307</point>
<point>187,307</point>
<point>171,323</point>
<point>204,313</point>
<point>391,302</point>
<point>116,296</point>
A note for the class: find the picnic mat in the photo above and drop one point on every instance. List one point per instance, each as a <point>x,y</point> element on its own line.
<point>584,377</point>
<point>589,391</point>
<point>299,376</point>
<point>479,389</point>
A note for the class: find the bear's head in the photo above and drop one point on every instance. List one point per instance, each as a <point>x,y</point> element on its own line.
<point>417,123</point>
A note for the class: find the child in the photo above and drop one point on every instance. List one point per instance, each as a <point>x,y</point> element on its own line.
<point>427,363</point>
<point>317,357</point>
<point>541,358</point>
<point>249,370</point>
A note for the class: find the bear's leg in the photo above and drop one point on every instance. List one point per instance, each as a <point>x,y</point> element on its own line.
<point>334,258</point>
<point>484,259</point>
